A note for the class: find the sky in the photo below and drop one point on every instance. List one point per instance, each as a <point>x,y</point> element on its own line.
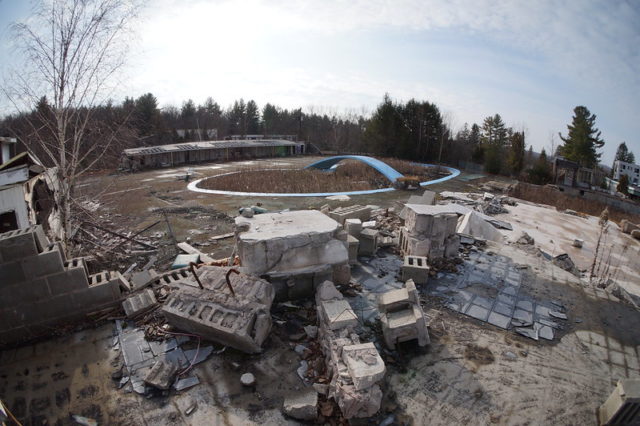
<point>530,61</point>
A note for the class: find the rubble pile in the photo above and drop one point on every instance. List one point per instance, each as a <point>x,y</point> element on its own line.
<point>355,368</point>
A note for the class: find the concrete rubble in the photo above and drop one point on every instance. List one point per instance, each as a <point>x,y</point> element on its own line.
<point>241,320</point>
<point>302,405</point>
<point>296,251</point>
<point>355,368</point>
<point>402,316</point>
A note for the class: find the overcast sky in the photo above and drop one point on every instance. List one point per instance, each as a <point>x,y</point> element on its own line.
<point>530,61</point>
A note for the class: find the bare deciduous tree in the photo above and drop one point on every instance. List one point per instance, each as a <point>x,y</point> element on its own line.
<point>69,51</point>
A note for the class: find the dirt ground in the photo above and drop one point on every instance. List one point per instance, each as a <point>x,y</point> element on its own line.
<point>472,373</point>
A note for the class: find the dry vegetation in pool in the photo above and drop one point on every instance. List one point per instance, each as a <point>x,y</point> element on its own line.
<point>349,176</point>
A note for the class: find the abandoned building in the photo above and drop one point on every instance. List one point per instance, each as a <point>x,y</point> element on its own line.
<point>197,152</point>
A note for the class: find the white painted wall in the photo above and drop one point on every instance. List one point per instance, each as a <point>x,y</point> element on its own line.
<point>5,152</point>
<point>12,198</point>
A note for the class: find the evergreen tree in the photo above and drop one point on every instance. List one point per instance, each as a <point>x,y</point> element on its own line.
<point>147,115</point>
<point>494,135</point>
<point>583,139</point>
<point>623,154</point>
<point>515,158</point>
<point>252,121</point>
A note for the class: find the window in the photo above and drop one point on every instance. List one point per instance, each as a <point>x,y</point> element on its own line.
<point>8,221</point>
<point>637,170</point>
<point>624,167</point>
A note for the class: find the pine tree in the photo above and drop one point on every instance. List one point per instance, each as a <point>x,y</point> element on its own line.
<point>583,139</point>
<point>515,159</point>
<point>623,154</point>
<point>494,135</point>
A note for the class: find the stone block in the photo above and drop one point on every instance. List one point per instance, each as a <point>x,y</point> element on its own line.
<point>364,364</point>
<point>415,268</point>
<point>46,263</point>
<point>139,303</point>
<point>341,235</point>
<point>368,242</point>
<point>338,314</point>
<point>353,226</point>
<point>353,247</point>
<point>302,405</point>
<point>161,375</point>
<point>18,244</point>
<point>11,273</point>
<point>142,279</point>
<point>71,279</point>
<point>342,274</point>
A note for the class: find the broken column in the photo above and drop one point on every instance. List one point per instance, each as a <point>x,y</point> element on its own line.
<point>402,316</point>
<point>429,232</point>
<point>355,368</point>
<point>240,319</point>
<point>295,250</point>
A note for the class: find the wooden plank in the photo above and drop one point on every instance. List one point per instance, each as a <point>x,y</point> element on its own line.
<point>189,249</point>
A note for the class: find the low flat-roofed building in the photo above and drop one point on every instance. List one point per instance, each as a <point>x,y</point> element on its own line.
<point>196,152</point>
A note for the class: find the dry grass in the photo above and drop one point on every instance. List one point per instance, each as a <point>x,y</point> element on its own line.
<point>553,197</point>
<point>349,176</point>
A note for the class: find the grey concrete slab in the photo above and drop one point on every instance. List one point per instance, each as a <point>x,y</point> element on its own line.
<point>512,291</point>
<point>478,312</point>
<point>545,332</point>
<point>499,320</point>
<point>524,304</point>
<point>542,310</point>
<point>523,315</point>
<point>507,298</point>
<point>483,301</point>
<point>503,309</point>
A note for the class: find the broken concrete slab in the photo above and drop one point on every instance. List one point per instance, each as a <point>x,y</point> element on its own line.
<point>473,224</point>
<point>241,324</point>
<point>338,314</point>
<point>402,317</point>
<point>302,405</point>
<point>139,303</point>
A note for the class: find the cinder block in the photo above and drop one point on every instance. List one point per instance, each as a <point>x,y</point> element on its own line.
<point>17,245</point>
<point>76,262</point>
<point>71,279</point>
<point>368,242</point>
<point>353,226</point>
<point>9,319</point>
<point>53,309</point>
<point>13,335</point>
<point>11,273</point>
<point>25,293</point>
<point>415,268</point>
<point>139,303</point>
<point>46,263</point>
<point>42,242</point>
<point>352,248</point>
<point>342,274</point>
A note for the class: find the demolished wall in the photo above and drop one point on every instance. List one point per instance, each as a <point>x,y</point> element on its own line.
<point>41,288</point>
<point>240,319</point>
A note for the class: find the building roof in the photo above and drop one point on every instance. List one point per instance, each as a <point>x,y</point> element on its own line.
<point>194,146</point>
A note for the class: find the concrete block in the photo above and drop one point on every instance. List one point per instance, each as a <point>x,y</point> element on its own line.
<point>142,279</point>
<point>451,246</point>
<point>46,263</point>
<point>11,273</point>
<point>415,268</point>
<point>628,227</point>
<point>69,280</point>
<point>54,309</point>
<point>302,405</point>
<point>364,364</point>
<point>338,314</point>
<point>368,242</point>
<point>342,274</point>
<point>623,405</point>
<point>9,318</point>
<point>161,375</point>
<point>402,317</point>
<point>353,226</point>
<point>341,235</point>
<point>241,324</point>
<point>76,262</point>
<point>352,212</point>
<point>139,303</point>
<point>13,335</point>
<point>352,248</point>
<point>25,293</point>
<point>17,244</point>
